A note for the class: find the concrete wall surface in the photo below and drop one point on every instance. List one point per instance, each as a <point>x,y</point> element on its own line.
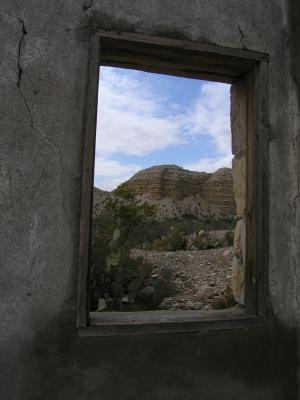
<point>43,67</point>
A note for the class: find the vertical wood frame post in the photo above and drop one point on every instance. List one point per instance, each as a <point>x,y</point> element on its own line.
<point>263,304</point>
<point>257,193</point>
<point>90,122</point>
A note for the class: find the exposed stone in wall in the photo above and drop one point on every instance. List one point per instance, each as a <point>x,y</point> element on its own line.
<point>238,129</point>
<point>239,184</point>
<point>238,263</point>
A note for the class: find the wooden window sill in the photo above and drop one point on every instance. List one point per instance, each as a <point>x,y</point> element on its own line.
<point>157,322</point>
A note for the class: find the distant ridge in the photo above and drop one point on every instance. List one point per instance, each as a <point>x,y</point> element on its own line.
<point>177,191</point>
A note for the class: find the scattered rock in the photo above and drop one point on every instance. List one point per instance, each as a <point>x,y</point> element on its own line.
<point>169,303</point>
<point>205,293</point>
<point>218,302</point>
<point>197,305</point>
<point>196,277</point>
<point>125,299</point>
<point>102,304</point>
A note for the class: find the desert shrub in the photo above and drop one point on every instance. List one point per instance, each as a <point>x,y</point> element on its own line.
<point>204,241</point>
<point>229,238</point>
<point>152,230</point>
<point>112,238</point>
<point>149,231</point>
<point>175,240</point>
<point>157,245</point>
<point>201,241</point>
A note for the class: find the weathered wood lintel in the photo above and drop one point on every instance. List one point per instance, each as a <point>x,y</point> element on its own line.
<point>176,57</point>
<point>185,44</point>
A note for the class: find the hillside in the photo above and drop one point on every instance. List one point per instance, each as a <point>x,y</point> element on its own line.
<point>178,192</point>
<point>167,181</point>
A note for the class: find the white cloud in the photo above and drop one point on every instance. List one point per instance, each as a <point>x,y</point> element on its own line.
<point>113,168</point>
<point>210,164</point>
<point>131,119</point>
<point>110,173</point>
<point>211,116</point>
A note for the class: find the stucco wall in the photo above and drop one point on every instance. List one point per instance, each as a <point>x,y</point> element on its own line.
<point>44,56</point>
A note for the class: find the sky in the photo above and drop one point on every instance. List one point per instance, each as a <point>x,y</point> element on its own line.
<point>147,119</point>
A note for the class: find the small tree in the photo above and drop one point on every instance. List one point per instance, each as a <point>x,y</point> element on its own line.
<point>113,233</point>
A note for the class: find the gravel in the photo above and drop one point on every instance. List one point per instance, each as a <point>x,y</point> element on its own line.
<point>201,278</point>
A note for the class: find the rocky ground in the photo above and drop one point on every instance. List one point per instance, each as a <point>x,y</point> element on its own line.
<point>201,278</point>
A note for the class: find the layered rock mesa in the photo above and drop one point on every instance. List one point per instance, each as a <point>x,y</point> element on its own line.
<point>176,183</point>
<point>168,181</point>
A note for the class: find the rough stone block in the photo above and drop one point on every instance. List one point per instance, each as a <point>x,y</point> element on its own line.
<point>240,240</point>
<point>239,184</point>
<point>238,281</point>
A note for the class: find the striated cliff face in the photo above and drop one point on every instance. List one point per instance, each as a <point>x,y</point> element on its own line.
<point>99,199</point>
<point>218,190</point>
<point>168,181</point>
<point>177,192</point>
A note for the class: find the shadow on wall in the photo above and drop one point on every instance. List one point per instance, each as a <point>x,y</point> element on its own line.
<point>249,364</point>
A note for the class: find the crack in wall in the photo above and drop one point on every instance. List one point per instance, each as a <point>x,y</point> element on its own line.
<point>20,69</point>
<point>19,82</point>
<point>242,38</point>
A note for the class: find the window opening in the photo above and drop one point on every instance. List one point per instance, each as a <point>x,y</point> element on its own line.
<point>247,73</point>
<point>166,201</point>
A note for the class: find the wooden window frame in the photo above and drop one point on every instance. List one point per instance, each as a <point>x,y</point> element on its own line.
<point>200,61</point>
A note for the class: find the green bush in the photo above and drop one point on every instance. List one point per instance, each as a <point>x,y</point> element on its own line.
<point>173,241</point>
<point>113,230</point>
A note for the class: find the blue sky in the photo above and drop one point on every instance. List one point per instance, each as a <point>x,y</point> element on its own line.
<point>149,119</point>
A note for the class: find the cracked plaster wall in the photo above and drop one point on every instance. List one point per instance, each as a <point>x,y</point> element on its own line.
<point>44,56</point>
